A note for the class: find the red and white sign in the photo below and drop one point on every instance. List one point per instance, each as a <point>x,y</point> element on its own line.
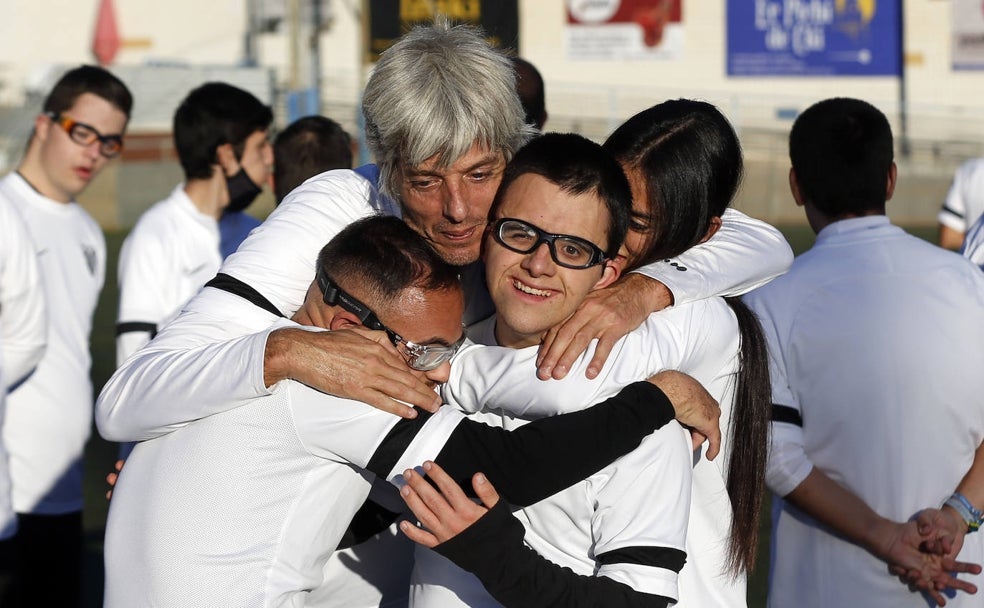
<point>615,30</point>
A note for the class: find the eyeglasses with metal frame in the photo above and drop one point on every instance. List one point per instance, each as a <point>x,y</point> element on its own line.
<point>421,357</point>
<point>86,135</point>
<point>566,250</point>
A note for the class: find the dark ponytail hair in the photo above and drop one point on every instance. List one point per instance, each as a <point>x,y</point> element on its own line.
<point>750,425</point>
<point>690,161</point>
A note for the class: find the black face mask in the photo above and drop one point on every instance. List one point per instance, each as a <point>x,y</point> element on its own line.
<point>242,191</point>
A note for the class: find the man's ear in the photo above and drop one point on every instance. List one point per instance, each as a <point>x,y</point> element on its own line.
<point>712,229</point>
<point>893,176</point>
<point>42,122</point>
<point>795,189</point>
<point>621,261</point>
<point>611,271</point>
<point>343,319</point>
<point>225,156</point>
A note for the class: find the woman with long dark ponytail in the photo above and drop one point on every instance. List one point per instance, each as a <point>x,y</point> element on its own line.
<point>684,162</point>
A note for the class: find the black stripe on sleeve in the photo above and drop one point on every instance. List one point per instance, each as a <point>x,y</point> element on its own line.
<point>492,548</point>
<point>396,442</point>
<point>953,211</point>
<point>236,287</point>
<point>784,413</point>
<point>136,326</point>
<point>656,557</point>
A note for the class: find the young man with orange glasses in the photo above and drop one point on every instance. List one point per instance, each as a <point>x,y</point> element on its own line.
<point>48,417</point>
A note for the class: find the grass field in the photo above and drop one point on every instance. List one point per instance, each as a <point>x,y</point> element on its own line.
<point>100,455</point>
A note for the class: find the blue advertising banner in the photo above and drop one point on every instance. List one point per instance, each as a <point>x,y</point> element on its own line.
<point>814,38</point>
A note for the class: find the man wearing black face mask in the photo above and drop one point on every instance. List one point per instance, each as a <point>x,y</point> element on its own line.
<point>221,136</point>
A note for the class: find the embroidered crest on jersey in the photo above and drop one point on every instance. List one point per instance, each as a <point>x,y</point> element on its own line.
<point>90,258</point>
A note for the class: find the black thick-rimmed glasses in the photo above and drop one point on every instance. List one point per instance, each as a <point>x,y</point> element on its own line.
<point>421,357</point>
<point>85,135</point>
<point>568,251</point>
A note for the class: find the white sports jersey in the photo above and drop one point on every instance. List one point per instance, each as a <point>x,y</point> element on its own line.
<point>243,508</point>
<point>49,415</point>
<point>700,339</point>
<point>875,341</point>
<point>171,252</point>
<point>142,399</point>
<point>965,201</point>
<point>23,328</point>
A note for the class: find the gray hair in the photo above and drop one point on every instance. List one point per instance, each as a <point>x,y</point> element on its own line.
<point>440,90</point>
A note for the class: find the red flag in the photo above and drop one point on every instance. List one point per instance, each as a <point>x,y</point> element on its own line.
<point>106,42</point>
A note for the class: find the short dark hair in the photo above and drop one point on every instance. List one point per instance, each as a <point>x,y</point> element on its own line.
<point>690,159</point>
<point>384,256</point>
<point>577,165</point>
<point>211,115</point>
<point>307,147</point>
<point>88,79</point>
<point>842,152</point>
<point>530,88</point>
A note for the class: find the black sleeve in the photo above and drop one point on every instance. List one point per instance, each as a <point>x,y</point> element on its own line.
<point>516,576</point>
<point>545,456</point>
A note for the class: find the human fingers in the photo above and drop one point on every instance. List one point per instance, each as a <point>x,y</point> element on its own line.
<point>603,349</point>
<point>456,509</point>
<point>570,339</point>
<point>545,345</point>
<point>418,535</point>
<point>714,445</point>
<point>694,406</point>
<point>697,439</point>
<point>450,491</point>
<point>962,567</point>
<point>363,369</point>
<point>444,512</point>
<point>419,496</point>
<point>484,490</point>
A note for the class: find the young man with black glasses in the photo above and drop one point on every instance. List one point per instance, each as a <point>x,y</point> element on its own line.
<point>49,415</point>
<point>243,508</point>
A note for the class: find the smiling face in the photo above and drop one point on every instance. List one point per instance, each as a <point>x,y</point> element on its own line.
<point>531,292</point>
<point>59,167</point>
<point>449,206</point>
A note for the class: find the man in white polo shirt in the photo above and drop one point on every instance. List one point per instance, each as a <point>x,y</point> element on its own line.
<point>875,417</point>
